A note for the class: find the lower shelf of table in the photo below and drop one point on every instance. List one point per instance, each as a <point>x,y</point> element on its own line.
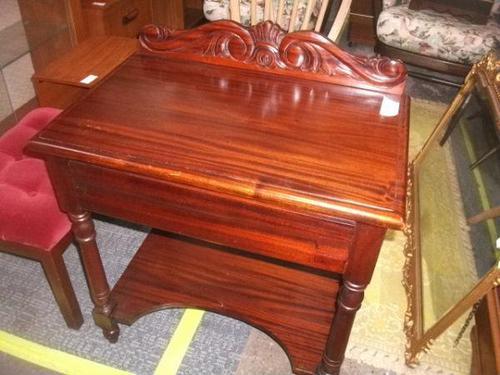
<point>293,305</point>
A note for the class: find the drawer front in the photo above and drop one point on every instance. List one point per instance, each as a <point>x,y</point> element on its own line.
<point>123,18</point>
<point>215,217</point>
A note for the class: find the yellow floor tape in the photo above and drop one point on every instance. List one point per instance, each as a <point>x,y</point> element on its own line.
<point>53,359</point>
<point>179,343</point>
<point>70,364</point>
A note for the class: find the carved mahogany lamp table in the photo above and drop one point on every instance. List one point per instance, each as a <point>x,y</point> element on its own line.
<point>269,166</point>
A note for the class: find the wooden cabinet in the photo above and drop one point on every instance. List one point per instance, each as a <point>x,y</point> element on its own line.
<point>52,28</point>
<point>70,77</point>
<point>127,17</point>
<point>361,22</point>
<point>116,17</point>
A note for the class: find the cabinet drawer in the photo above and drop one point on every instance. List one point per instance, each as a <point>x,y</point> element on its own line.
<point>215,217</point>
<point>117,17</point>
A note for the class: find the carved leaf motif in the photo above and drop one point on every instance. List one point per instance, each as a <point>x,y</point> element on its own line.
<point>266,45</point>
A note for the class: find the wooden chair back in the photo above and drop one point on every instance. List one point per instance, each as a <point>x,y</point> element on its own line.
<point>274,10</point>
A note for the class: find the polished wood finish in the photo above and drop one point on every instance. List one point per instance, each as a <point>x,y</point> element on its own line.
<point>59,84</point>
<point>164,267</point>
<point>97,56</point>
<point>57,275</point>
<point>266,47</point>
<point>85,236</point>
<point>318,173</point>
<point>363,256</point>
<point>321,245</point>
<point>123,18</point>
<point>252,149</point>
<point>56,95</point>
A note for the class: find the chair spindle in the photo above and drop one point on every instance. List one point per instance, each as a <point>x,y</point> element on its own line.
<point>253,12</point>
<point>307,15</point>
<point>293,16</point>
<point>234,9</point>
<point>321,15</point>
<point>281,9</point>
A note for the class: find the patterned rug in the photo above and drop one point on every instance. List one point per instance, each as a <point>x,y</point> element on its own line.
<point>220,345</point>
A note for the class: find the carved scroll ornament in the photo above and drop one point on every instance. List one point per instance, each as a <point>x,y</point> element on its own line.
<point>266,45</point>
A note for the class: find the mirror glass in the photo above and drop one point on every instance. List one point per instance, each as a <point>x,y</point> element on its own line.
<point>458,189</point>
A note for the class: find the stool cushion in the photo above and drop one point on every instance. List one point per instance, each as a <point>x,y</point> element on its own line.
<point>438,35</point>
<point>29,213</point>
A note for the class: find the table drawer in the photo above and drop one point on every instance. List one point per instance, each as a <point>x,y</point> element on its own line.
<point>215,217</point>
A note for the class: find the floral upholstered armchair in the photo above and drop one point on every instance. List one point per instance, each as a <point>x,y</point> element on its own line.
<point>434,40</point>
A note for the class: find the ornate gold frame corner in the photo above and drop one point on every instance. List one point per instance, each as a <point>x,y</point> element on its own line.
<point>419,341</point>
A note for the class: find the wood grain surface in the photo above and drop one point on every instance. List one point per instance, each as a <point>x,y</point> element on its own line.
<point>321,243</point>
<point>97,56</point>
<point>161,275</point>
<point>296,143</point>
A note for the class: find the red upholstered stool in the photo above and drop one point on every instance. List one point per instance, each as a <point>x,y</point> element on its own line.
<point>31,223</point>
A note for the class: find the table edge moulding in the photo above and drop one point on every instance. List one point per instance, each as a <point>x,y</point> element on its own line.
<point>251,240</point>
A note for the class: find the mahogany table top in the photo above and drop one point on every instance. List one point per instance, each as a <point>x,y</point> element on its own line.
<point>281,140</point>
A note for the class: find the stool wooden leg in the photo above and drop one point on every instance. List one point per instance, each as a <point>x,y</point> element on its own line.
<point>57,275</point>
<point>84,232</point>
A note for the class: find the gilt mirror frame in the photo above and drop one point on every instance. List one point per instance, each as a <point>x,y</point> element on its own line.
<point>419,340</point>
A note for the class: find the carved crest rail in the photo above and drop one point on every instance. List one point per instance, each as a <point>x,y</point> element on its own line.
<point>266,46</point>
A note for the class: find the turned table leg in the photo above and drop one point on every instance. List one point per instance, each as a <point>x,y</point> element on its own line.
<point>358,274</point>
<point>348,304</point>
<point>84,232</point>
